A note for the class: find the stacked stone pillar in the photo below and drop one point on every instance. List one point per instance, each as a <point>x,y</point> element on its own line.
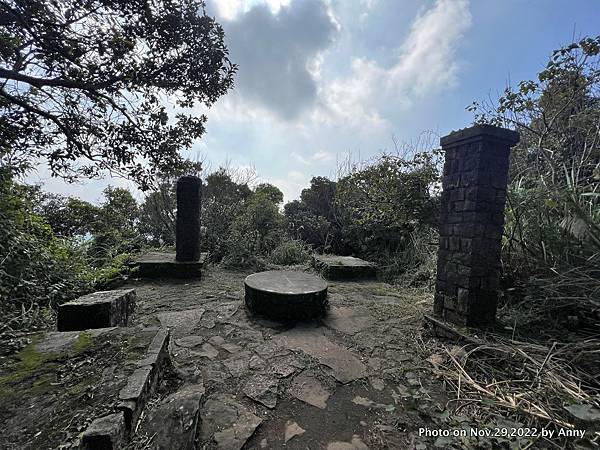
<point>471,223</point>
<point>187,237</point>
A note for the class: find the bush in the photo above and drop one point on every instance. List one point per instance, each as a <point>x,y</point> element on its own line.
<point>37,269</point>
<point>290,252</point>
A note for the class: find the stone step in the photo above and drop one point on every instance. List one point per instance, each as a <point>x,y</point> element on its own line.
<point>102,309</point>
<point>112,431</point>
<point>164,265</point>
<point>335,267</point>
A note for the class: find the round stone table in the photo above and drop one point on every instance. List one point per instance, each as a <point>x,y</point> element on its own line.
<point>286,295</point>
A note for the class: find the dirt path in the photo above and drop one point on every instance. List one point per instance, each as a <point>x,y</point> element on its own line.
<point>354,380</point>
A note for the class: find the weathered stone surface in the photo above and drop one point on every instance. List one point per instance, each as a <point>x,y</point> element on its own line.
<point>309,390</point>
<point>285,365</point>
<point>64,341</point>
<point>187,238</point>
<point>377,384</point>
<point>208,351</point>
<point>335,267</point>
<point>181,321</point>
<point>347,320</point>
<point>97,310</point>
<point>262,389</point>
<point>142,383</point>
<point>286,295</point>
<point>175,419</point>
<point>355,444</point>
<point>345,366</point>
<point>471,223</point>
<point>228,422</point>
<point>292,429</point>
<point>105,433</point>
<point>164,265</point>
<point>238,364</point>
<point>190,341</point>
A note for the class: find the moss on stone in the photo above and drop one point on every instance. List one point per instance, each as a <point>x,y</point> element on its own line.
<point>29,364</point>
<point>83,342</point>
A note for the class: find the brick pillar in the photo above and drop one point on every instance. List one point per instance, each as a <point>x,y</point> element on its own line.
<point>471,223</point>
<point>187,237</point>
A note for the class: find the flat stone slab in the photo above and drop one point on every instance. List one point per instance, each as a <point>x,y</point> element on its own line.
<point>59,382</point>
<point>164,265</point>
<point>335,267</point>
<point>262,389</point>
<point>348,320</point>
<point>309,390</point>
<point>346,367</point>
<point>181,322</point>
<point>286,295</point>
<point>97,310</point>
<point>229,423</point>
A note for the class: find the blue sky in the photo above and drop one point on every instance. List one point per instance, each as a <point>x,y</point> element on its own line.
<point>321,79</point>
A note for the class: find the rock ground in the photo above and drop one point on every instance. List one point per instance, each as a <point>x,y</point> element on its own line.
<point>352,380</point>
<point>59,382</point>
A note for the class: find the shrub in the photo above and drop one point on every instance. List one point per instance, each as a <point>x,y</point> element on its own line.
<point>290,252</point>
<point>37,269</point>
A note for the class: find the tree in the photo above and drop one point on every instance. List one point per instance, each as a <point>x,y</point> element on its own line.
<point>273,193</point>
<point>223,200</point>
<point>382,204</point>
<point>313,217</point>
<point>82,83</point>
<point>554,202</point>
<point>68,216</point>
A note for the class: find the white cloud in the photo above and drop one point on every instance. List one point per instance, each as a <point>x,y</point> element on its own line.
<point>320,156</point>
<point>230,9</point>
<point>425,63</point>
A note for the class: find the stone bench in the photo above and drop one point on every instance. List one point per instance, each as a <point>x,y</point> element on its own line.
<point>165,265</point>
<point>97,310</point>
<point>335,267</point>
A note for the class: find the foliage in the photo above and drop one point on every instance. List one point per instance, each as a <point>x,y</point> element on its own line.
<point>313,218</point>
<point>83,89</point>
<point>382,204</point>
<point>223,200</point>
<point>261,222</point>
<point>551,245</point>
<point>37,268</point>
<point>555,169</point>
<point>273,193</point>
<point>290,252</point>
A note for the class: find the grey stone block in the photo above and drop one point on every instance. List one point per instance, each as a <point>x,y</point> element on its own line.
<point>175,419</point>
<point>335,267</point>
<point>164,265</point>
<point>97,310</point>
<point>105,433</point>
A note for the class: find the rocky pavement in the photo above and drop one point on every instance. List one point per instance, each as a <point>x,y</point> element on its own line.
<point>352,380</point>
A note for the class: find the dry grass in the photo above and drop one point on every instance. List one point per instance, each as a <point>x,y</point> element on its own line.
<point>530,383</point>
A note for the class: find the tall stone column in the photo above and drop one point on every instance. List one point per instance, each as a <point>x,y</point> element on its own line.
<point>471,223</point>
<point>187,237</point>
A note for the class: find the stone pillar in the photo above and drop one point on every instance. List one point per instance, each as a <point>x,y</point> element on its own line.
<point>471,223</point>
<point>187,237</point>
